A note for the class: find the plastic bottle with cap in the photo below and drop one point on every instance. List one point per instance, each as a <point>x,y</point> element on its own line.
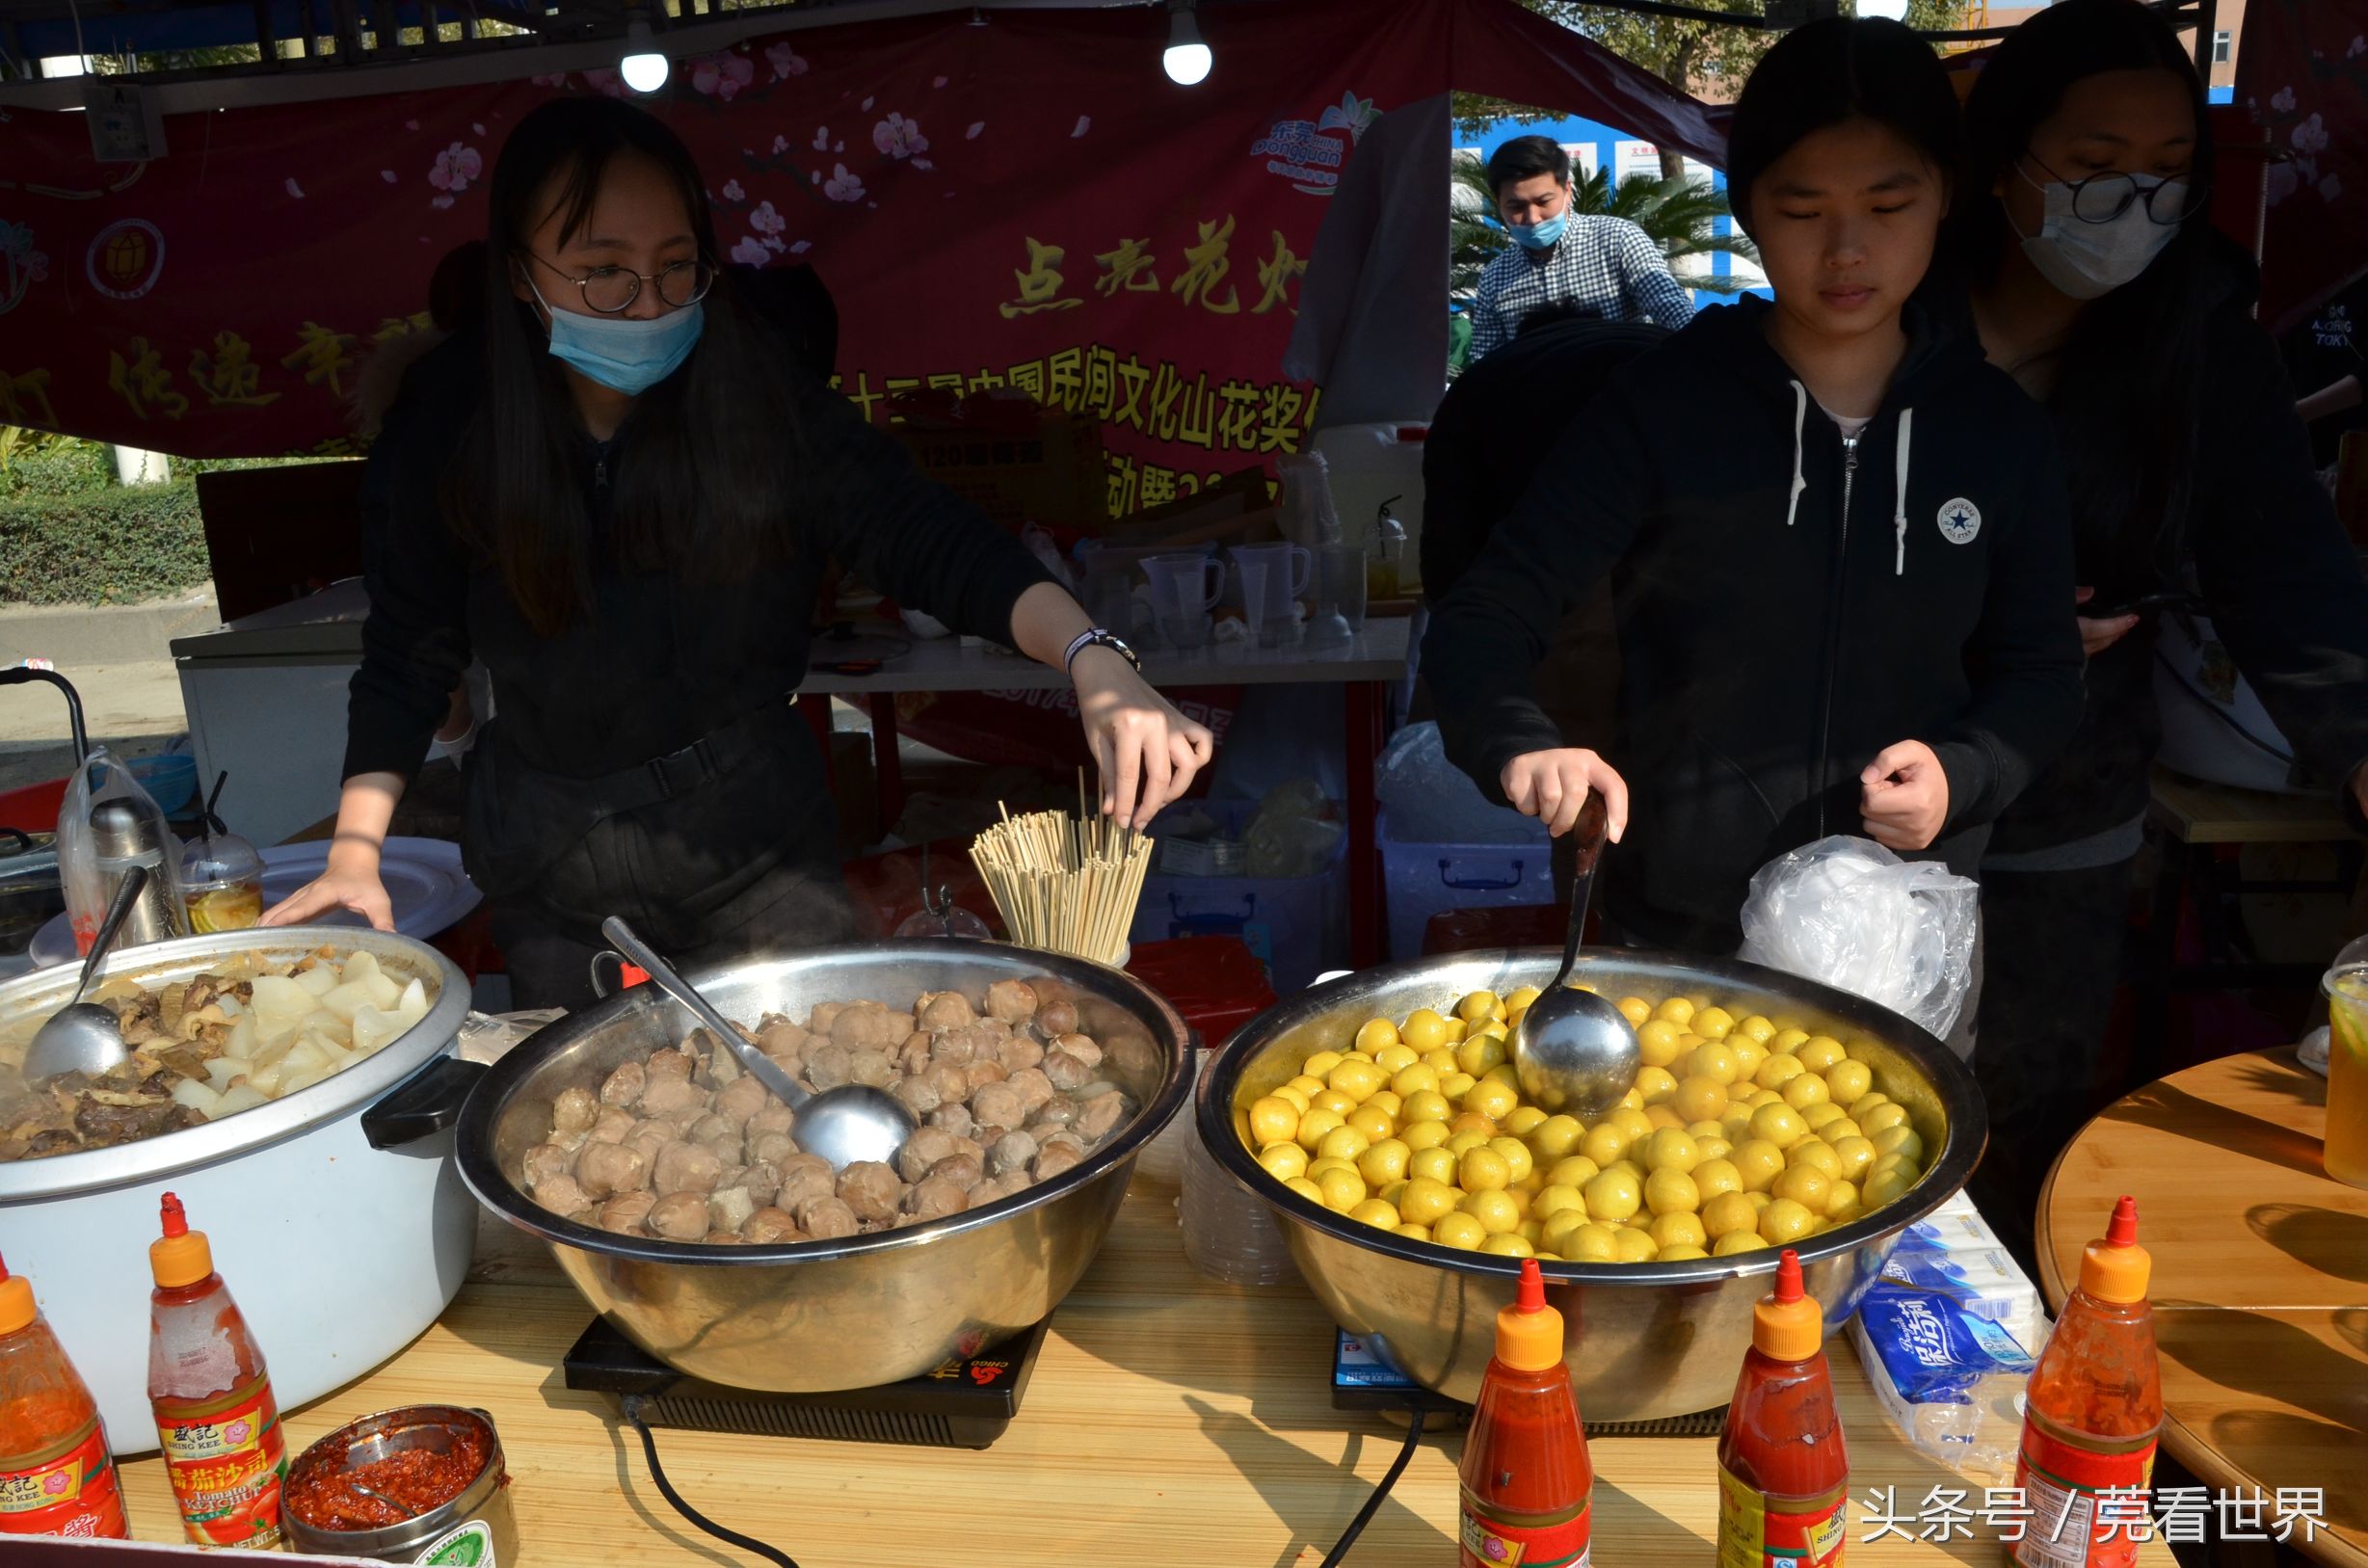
<point>2093,1413</point>
<point>57,1477</point>
<point>1528,1485</point>
<point>1783,1466</point>
<point>216,1419</point>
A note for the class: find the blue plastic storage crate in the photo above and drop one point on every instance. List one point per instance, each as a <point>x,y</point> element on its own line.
<point>1422,879</point>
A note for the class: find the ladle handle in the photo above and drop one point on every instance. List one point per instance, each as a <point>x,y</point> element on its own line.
<point>768,1071</point>
<point>1592,831</point>
<point>127,894</point>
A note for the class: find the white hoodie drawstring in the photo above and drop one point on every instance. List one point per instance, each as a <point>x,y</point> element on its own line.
<point>1899,491</point>
<point>1801,418</point>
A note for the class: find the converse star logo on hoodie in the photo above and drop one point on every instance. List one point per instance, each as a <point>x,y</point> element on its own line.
<point>1959,521</point>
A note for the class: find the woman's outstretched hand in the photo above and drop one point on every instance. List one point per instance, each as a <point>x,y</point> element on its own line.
<point>1148,752</point>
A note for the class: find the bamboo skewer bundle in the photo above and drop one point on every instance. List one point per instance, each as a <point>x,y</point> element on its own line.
<point>1064,884</point>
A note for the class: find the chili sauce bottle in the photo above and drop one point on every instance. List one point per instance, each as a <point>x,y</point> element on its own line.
<point>1783,1467</point>
<point>1527,1481</point>
<point>2093,1412</point>
<point>215,1415</point>
<point>56,1474</point>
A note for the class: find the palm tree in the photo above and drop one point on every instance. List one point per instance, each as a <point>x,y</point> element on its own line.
<point>1679,215</point>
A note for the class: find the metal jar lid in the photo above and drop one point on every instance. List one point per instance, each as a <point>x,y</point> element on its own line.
<point>480,1516</point>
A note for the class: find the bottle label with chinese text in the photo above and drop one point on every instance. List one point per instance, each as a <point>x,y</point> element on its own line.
<point>1493,1539</point>
<point>1760,1531</point>
<point>68,1489</point>
<point>2067,1488</point>
<point>226,1460</point>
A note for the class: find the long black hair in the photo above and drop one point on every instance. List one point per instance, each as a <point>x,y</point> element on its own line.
<point>2128,391</point>
<point>1830,72</point>
<point>705,489</point>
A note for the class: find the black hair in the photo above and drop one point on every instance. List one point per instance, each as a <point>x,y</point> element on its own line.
<point>709,485</point>
<point>1526,157</point>
<point>455,289</point>
<point>2129,381</point>
<point>1553,313</point>
<point>1828,73</point>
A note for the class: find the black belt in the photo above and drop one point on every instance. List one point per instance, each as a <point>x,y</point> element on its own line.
<point>692,768</point>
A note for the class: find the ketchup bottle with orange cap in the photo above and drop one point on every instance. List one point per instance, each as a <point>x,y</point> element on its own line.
<point>56,1474</point>
<point>1527,1481</point>
<point>215,1415</point>
<point>1783,1467</point>
<point>2092,1414</point>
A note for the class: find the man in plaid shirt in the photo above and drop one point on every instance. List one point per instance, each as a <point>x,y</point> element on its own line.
<point>1604,264</point>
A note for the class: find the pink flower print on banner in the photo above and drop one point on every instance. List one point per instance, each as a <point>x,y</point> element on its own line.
<point>923,163</point>
<point>939,82</point>
<point>555,79</point>
<point>479,129</point>
<point>2310,136</point>
<point>1084,124</point>
<point>605,82</point>
<point>2357,47</point>
<point>822,138</point>
<point>751,252</point>
<point>801,247</point>
<point>781,144</point>
<point>387,174</point>
<point>973,133</point>
<point>455,168</point>
<point>867,103</point>
<point>899,137</point>
<point>843,186</point>
<point>767,222</point>
<point>2283,100</point>
<point>2331,187</point>
<point>785,62</point>
<point>294,189</point>
<point>722,75</point>
<point>733,191</point>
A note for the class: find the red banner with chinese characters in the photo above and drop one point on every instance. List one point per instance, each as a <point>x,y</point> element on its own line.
<point>2304,74</point>
<point>1026,203</point>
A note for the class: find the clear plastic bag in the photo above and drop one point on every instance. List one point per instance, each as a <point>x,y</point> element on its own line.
<point>1849,913</point>
<point>1431,799</point>
<point>89,871</point>
<point>1293,835</point>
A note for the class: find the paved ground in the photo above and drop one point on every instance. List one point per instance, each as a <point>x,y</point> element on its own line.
<point>134,709</point>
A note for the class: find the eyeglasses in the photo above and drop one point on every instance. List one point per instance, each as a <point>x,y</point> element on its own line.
<point>610,290</point>
<point>2101,199</point>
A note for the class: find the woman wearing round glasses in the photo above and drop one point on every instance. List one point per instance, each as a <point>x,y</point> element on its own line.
<point>2099,282</point>
<point>616,489</point>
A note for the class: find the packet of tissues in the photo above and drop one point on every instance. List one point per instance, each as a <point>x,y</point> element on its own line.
<point>1952,1381</point>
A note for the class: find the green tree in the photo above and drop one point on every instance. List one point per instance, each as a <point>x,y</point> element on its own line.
<point>1680,215</point>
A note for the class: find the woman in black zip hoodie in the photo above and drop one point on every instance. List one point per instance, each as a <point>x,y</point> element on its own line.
<point>1836,538</point>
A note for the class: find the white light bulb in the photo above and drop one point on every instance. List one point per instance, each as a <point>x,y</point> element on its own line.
<point>1187,58</point>
<point>643,68</point>
<point>1890,10</point>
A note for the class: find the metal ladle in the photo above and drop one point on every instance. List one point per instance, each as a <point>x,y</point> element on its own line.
<point>1574,1052</point>
<point>82,1036</point>
<point>850,1123</point>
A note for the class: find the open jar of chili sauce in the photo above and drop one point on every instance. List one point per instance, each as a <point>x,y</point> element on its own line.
<point>424,1484</point>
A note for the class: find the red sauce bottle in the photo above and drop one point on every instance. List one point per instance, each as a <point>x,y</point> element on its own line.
<point>215,1414</point>
<point>1526,1482</point>
<point>1783,1467</point>
<point>2094,1410</point>
<point>56,1474</point>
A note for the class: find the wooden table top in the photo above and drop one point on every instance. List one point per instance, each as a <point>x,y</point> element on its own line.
<point>2196,812</point>
<point>1170,1420</point>
<point>2260,1277</point>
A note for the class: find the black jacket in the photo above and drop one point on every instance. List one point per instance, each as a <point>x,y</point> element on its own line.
<point>2260,545</point>
<point>1785,612</point>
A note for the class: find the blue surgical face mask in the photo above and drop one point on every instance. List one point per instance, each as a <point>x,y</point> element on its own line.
<point>1540,235</point>
<point>2086,260</point>
<point>622,353</point>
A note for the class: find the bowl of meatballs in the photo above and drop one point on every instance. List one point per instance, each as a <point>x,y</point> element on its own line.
<point>671,1188</point>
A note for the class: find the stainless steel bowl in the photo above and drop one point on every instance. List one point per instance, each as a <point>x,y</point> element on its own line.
<point>1647,1340</point>
<point>832,1315</point>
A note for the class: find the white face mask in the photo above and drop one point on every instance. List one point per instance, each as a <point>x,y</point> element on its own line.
<point>2088,260</point>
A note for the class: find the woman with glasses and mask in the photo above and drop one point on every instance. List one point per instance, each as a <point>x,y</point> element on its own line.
<point>617,487</point>
<point>2097,281</point>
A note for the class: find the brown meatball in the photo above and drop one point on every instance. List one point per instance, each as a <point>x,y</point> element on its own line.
<point>919,1096</point>
<point>803,1178</point>
<point>1036,1091</point>
<point>767,1226</point>
<point>985,1069</point>
<point>782,1041</point>
<point>559,1194</point>
<point>873,1069</point>
<point>990,1033</point>
<point>1013,1001</point>
<point>614,1124</point>
<point>1081,1048</point>
<point>824,1017</point>
<point>923,1148</point>
<point>625,1212</point>
<point>867,1024</point>
<point>725,1238</point>
<point>680,1216</point>
<point>1099,1116</point>
<point>770,1148</point>
<point>872,1189</point>
<point>954,1119</point>
<point>608,1169</point>
<point>964,1170</point>
<point>728,1208</point>
<point>935,1199</point>
<point>1056,1158</point>
<point>947,1010</point>
<point>651,1134</point>
<point>1012,1151</point>
<point>1067,1072</point>
<point>741,1100</point>
<point>999,1105</point>
<point>1019,1052</point>
<point>575,1111</point>
<point>545,1160</point>
<point>686,1167</point>
<point>677,1098</point>
<point>954,1048</point>
<point>623,1086</point>
<point>953,1083</point>
<point>913,1057</point>
<point>762,1181</point>
<point>711,1129</point>
<point>1057,1019</point>
<point>826,1064</point>
<point>775,1117</point>
<point>996,1189</point>
<point>671,1063</point>
<point>826,1219</point>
